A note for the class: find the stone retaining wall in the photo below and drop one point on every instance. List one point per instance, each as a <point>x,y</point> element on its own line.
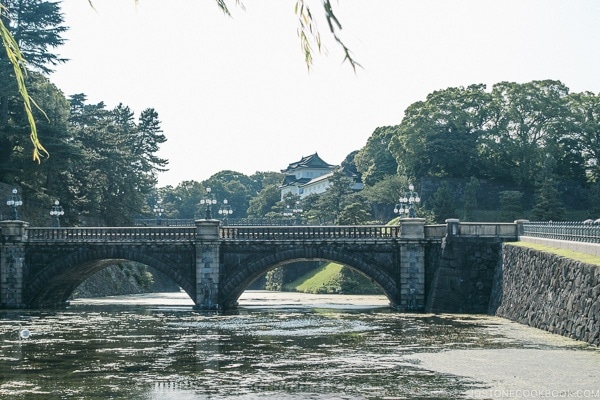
<point>549,292</point>
<point>459,277</point>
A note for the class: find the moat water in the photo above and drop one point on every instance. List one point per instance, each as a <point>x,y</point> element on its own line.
<point>282,346</point>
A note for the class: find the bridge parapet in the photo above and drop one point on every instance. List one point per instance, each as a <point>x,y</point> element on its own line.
<point>111,234</point>
<point>309,232</point>
<point>496,229</point>
<point>572,231</point>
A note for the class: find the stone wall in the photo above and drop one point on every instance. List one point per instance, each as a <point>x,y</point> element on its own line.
<point>459,277</point>
<point>549,292</point>
<point>123,279</point>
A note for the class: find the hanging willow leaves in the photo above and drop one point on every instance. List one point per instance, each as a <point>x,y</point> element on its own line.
<point>309,34</point>
<point>18,62</point>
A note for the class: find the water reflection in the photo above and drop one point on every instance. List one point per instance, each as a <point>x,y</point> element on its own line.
<point>282,347</point>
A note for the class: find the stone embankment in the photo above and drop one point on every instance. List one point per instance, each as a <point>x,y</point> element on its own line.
<point>127,278</point>
<point>550,292</point>
<point>460,275</point>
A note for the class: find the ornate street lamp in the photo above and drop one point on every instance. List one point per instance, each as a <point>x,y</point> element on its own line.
<point>296,211</point>
<point>225,211</point>
<point>57,212</point>
<point>158,211</point>
<point>208,201</point>
<point>14,201</point>
<point>406,204</point>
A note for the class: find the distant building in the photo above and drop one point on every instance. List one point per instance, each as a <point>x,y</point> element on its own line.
<point>310,175</point>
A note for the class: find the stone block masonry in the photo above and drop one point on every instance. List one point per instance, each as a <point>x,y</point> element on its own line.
<point>550,292</point>
<point>460,275</point>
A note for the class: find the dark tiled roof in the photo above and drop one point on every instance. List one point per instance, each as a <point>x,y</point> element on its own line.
<point>312,161</point>
<point>318,179</point>
<point>291,180</point>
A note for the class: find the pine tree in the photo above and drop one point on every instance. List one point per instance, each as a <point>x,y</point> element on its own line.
<point>470,197</point>
<point>548,206</point>
<point>511,205</point>
<point>443,204</point>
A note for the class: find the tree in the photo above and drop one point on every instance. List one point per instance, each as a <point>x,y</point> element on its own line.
<point>470,199</point>
<point>146,141</point>
<point>548,206</point>
<point>330,203</point>
<point>585,109</point>
<point>183,200</point>
<point>511,205</point>
<point>594,202</point>
<point>384,195</point>
<point>29,30</point>
<point>45,183</point>
<point>375,161</point>
<point>116,173</point>
<point>443,204</point>
<point>354,214</point>
<point>267,178</point>
<point>36,26</point>
<point>234,186</point>
<point>440,136</point>
<point>264,202</point>
<point>527,120</point>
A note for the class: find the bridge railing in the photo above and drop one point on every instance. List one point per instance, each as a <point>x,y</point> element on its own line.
<point>498,229</point>
<point>104,234</point>
<point>225,222</point>
<point>571,231</point>
<point>435,231</point>
<point>309,232</point>
<point>188,233</point>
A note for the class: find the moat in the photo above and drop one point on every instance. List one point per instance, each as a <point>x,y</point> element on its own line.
<point>283,346</point>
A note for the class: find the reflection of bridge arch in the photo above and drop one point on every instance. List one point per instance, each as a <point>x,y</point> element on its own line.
<point>53,283</point>
<point>379,269</point>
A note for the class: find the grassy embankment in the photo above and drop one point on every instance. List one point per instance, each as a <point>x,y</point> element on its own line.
<point>332,278</point>
<point>585,258</point>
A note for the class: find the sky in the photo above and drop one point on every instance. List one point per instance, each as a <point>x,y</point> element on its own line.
<point>234,93</point>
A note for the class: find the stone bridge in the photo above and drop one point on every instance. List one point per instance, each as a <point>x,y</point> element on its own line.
<point>41,267</point>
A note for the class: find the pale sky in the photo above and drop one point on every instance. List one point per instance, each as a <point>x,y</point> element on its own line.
<point>235,93</point>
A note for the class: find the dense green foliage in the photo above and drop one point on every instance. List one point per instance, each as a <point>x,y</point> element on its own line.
<point>502,139</point>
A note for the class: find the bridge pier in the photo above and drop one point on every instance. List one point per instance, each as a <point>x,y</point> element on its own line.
<point>13,236</point>
<point>208,271</point>
<point>412,265</point>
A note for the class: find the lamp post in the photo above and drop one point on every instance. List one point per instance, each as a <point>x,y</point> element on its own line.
<point>406,204</point>
<point>295,211</point>
<point>225,211</point>
<point>57,212</point>
<point>158,211</point>
<point>208,201</point>
<point>14,201</point>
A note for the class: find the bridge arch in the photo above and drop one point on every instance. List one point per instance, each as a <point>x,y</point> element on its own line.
<point>235,283</point>
<point>53,284</point>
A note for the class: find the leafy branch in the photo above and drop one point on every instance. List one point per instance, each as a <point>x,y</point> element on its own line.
<point>309,34</point>
<point>18,62</point>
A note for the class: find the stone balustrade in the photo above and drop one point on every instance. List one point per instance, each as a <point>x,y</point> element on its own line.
<point>111,234</point>
<point>309,232</point>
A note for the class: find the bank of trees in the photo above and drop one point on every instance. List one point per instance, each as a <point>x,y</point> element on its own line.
<point>103,166</point>
<point>532,138</point>
<point>103,162</point>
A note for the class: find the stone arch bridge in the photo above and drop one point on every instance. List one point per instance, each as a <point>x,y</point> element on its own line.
<point>41,267</point>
